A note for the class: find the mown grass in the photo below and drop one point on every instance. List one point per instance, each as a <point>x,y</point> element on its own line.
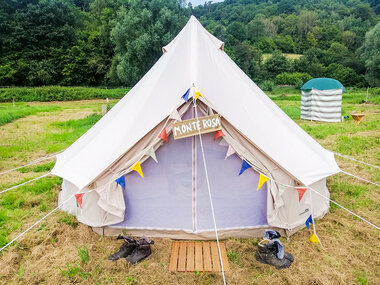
<point>9,113</point>
<point>346,238</point>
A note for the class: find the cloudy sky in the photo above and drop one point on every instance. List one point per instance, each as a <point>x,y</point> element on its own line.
<point>197,2</point>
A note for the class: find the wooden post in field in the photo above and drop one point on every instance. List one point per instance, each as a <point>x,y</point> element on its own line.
<point>104,109</point>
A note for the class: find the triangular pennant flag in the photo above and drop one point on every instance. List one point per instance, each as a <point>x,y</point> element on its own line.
<point>137,167</point>
<point>314,238</point>
<point>301,191</point>
<point>218,134</point>
<point>175,115</point>
<point>281,189</point>
<point>209,111</point>
<point>230,151</point>
<point>223,142</point>
<point>309,221</point>
<point>79,198</point>
<point>262,180</point>
<point>163,135</point>
<point>197,94</point>
<point>121,181</point>
<point>186,95</point>
<point>245,165</point>
<point>150,152</point>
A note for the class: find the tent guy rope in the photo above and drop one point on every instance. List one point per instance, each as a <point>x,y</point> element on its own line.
<point>360,178</point>
<point>26,182</point>
<point>354,159</point>
<point>210,196</point>
<point>50,156</point>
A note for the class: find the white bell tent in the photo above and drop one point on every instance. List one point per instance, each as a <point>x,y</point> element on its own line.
<point>172,198</point>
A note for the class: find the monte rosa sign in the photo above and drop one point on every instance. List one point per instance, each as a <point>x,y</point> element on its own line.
<point>192,127</point>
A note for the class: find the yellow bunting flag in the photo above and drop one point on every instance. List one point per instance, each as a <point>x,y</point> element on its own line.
<point>137,168</point>
<point>314,238</point>
<point>197,93</point>
<point>262,180</point>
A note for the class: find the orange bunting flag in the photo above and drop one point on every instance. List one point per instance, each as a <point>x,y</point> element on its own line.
<point>218,134</point>
<point>79,198</point>
<point>197,94</point>
<point>301,191</point>
<point>314,238</point>
<point>137,168</point>
<point>164,136</point>
<point>262,180</point>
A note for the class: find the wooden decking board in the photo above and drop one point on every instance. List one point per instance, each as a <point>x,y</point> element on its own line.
<point>182,256</point>
<point>197,256</point>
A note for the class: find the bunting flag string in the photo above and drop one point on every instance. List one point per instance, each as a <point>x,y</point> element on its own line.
<point>281,189</point>
<point>121,181</point>
<point>197,94</point>
<point>301,191</point>
<point>163,135</point>
<point>175,116</point>
<point>79,198</point>
<point>137,167</point>
<point>262,180</point>
<point>245,165</point>
<point>186,95</point>
<point>150,152</point>
<point>230,151</point>
<point>314,238</point>
<point>309,221</point>
<point>218,134</point>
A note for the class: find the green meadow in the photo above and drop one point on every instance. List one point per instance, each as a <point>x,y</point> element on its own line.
<point>64,250</point>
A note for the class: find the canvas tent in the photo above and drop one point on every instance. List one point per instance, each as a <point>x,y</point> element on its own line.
<point>171,200</point>
<point>322,100</point>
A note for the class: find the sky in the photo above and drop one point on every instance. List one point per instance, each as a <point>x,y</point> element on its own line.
<point>197,2</point>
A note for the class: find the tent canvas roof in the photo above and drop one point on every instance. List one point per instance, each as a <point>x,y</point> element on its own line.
<point>195,57</point>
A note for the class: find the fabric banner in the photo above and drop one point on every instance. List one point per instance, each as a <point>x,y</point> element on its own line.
<point>121,181</point>
<point>218,134</point>
<point>262,180</point>
<point>79,198</point>
<point>301,191</point>
<point>309,221</point>
<point>314,238</point>
<point>175,115</point>
<point>197,94</point>
<point>150,152</point>
<point>230,151</point>
<point>245,165</point>
<point>163,135</point>
<point>186,95</point>
<point>137,167</point>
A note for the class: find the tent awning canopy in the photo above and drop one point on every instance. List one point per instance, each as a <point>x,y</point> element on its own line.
<point>323,84</point>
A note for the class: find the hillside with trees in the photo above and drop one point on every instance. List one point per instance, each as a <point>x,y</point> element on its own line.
<point>114,42</point>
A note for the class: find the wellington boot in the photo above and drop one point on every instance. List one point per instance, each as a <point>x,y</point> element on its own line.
<point>125,250</point>
<point>266,255</point>
<point>142,250</point>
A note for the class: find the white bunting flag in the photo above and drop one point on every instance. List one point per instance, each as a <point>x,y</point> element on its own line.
<point>175,115</point>
<point>281,189</point>
<point>230,151</point>
<point>150,151</point>
<point>223,142</point>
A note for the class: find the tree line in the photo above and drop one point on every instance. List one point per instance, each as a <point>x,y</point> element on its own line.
<point>115,42</point>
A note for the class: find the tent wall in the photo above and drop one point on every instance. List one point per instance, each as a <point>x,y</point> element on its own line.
<point>322,105</point>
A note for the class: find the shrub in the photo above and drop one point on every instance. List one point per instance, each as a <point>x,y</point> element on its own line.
<point>296,78</point>
<point>267,85</point>
<point>58,93</point>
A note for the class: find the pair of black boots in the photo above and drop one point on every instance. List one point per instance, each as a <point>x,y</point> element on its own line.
<point>133,250</point>
<point>271,251</point>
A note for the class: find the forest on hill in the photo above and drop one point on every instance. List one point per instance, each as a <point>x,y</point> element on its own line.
<point>115,42</point>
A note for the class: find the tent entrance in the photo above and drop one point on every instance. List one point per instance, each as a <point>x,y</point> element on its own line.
<point>173,194</point>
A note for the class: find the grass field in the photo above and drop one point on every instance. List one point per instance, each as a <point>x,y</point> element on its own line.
<point>61,250</point>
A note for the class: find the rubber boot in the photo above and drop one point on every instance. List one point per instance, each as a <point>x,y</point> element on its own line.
<point>125,250</point>
<point>265,254</point>
<point>142,250</point>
